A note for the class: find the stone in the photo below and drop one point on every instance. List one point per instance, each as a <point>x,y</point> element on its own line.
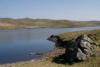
<point>57,40</point>
<point>81,49</point>
<point>86,44</point>
<point>80,55</point>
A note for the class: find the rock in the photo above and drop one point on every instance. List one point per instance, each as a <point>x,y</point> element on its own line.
<point>81,49</point>
<point>80,55</point>
<point>86,45</point>
<point>57,40</point>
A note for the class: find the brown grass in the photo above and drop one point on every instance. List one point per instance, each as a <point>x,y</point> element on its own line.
<point>71,35</point>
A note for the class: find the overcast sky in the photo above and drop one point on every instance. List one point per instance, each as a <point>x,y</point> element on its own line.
<point>51,9</point>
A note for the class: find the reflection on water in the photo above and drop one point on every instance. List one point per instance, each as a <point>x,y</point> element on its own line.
<point>16,44</point>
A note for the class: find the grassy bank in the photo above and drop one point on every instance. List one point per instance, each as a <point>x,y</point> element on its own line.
<point>70,35</point>
<point>91,62</point>
<point>28,23</point>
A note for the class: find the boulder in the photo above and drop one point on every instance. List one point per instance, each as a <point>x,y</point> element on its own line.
<point>82,47</point>
<point>86,45</point>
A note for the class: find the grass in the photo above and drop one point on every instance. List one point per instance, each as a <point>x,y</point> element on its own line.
<point>70,35</point>
<point>90,62</point>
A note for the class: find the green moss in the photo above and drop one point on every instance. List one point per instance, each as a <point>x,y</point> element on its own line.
<point>73,41</point>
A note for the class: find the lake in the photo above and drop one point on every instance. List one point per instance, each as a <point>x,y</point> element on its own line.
<point>15,45</point>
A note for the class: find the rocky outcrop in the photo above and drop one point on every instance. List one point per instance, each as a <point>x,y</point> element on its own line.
<point>79,48</point>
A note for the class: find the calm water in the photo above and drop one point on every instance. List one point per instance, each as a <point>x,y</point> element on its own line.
<point>15,45</point>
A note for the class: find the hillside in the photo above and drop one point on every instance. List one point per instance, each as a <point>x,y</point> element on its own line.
<point>27,23</point>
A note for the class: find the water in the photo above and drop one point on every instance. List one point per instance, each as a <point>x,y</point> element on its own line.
<point>15,45</point>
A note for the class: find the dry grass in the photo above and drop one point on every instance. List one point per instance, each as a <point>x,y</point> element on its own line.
<point>71,35</point>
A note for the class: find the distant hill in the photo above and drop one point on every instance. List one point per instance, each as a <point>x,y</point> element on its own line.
<point>26,23</point>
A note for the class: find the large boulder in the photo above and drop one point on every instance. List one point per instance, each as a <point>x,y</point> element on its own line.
<point>82,47</point>
<point>86,45</point>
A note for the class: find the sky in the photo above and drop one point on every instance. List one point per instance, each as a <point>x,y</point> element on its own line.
<point>51,9</point>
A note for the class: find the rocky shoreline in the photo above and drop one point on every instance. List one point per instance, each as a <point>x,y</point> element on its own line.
<point>79,48</point>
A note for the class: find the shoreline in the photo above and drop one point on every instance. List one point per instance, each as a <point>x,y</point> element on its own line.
<point>44,28</point>
<point>35,60</point>
<point>23,62</point>
<point>41,58</point>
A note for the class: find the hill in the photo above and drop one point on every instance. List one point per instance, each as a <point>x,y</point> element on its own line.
<point>27,23</point>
